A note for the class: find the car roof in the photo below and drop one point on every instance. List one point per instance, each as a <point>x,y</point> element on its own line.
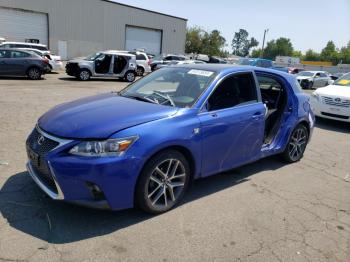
<point>219,68</point>
<point>117,52</point>
<point>23,43</point>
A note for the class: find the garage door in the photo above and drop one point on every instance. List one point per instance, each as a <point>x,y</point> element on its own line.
<point>141,38</point>
<point>17,25</point>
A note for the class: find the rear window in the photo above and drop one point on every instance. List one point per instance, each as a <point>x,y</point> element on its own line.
<point>140,57</point>
<point>42,48</point>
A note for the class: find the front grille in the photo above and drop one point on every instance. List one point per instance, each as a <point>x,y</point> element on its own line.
<point>41,149</point>
<point>335,115</point>
<point>336,101</point>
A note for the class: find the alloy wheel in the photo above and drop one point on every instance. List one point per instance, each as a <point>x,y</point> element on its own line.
<point>166,183</point>
<point>297,144</point>
<point>140,71</point>
<point>34,73</point>
<point>84,75</point>
<point>130,77</point>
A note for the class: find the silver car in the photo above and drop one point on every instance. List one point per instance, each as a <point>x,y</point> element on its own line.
<point>314,79</point>
<point>104,64</point>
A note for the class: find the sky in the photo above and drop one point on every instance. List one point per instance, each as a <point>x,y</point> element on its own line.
<point>308,23</point>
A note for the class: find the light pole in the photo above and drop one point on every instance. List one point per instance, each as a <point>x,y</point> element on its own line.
<point>263,45</point>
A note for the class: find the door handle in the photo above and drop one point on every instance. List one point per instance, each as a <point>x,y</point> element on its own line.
<point>257,115</point>
<point>214,115</point>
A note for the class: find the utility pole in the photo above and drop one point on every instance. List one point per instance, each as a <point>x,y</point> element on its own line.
<point>263,45</point>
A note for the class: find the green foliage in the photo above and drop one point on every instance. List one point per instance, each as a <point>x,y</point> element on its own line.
<point>311,55</point>
<point>241,45</point>
<point>199,41</point>
<point>330,54</point>
<point>280,47</point>
<point>256,53</point>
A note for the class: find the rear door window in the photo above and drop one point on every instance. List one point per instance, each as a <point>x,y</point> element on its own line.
<point>233,91</point>
<point>5,54</point>
<point>18,54</point>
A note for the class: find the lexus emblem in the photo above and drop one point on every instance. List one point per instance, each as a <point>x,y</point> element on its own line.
<point>41,140</point>
<point>337,100</point>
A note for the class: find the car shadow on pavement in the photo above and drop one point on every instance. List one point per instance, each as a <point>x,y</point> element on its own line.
<point>19,78</point>
<point>73,79</point>
<point>27,209</point>
<point>333,125</point>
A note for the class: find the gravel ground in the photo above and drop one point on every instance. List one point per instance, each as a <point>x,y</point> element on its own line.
<point>266,211</point>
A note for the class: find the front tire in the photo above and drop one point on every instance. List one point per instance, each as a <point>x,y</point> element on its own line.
<point>296,145</point>
<point>84,75</point>
<point>34,73</point>
<point>130,76</point>
<point>163,182</point>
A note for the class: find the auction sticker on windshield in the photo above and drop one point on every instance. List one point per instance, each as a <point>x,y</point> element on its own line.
<point>200,72</point>
<point>344,82</point>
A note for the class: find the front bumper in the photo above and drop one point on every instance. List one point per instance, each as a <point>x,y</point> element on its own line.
<point>73,176</point>
<point>330,112</point>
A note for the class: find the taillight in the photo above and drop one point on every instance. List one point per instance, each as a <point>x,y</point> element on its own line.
<point>149,62</point>
<point>46,61</point>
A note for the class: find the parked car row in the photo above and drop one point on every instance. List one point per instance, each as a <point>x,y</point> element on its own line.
<point>17,62</point>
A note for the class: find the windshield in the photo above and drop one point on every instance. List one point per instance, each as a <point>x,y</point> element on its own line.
<point>92,57</point>
<point>171,86</point>
<point>344,81</point>
<point>246,62</point>
<point>304,73</point>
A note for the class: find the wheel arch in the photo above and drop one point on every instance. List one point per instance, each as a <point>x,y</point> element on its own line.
<point>33,66</point>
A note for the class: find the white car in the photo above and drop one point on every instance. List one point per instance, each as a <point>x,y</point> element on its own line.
<point>55,62</point>
<point>333,101</point>
<point>313,79</point>
<point>23,45</point>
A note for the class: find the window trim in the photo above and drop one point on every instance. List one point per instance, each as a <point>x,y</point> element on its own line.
<point>257,87</point>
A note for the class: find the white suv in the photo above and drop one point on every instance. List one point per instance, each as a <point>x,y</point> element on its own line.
<point>142,62</point>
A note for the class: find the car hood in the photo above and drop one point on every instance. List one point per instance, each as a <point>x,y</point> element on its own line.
<point>100,116</point>
<point>304,77</point>
<point>78,60</point>
<point>334,91</point>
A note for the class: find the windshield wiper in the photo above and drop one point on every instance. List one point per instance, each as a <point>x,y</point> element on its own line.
<point>142,98</point>
<point>165,96</point>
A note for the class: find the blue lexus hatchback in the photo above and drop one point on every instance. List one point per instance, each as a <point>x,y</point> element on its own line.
<point>142,146</point>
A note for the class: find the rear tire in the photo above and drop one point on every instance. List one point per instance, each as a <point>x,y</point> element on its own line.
<point>296,145</point>
<point>34,73</point>
<point>130,76</point>
<point>140,71</point>
<point>84,75</point>
<point>163,182</point>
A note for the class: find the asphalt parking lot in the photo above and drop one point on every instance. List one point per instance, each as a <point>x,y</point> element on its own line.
<point>266,211</point>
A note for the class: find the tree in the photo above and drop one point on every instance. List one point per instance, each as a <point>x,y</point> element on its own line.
<point>194,37</point>
<point>280,47</point>
<point>311,55</point>
<point>329,53</point>
<point>241,45</point>
<point>199,41</point>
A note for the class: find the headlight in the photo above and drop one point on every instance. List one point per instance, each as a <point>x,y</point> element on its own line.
<point>316,96</point>
<point>110,147</point>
